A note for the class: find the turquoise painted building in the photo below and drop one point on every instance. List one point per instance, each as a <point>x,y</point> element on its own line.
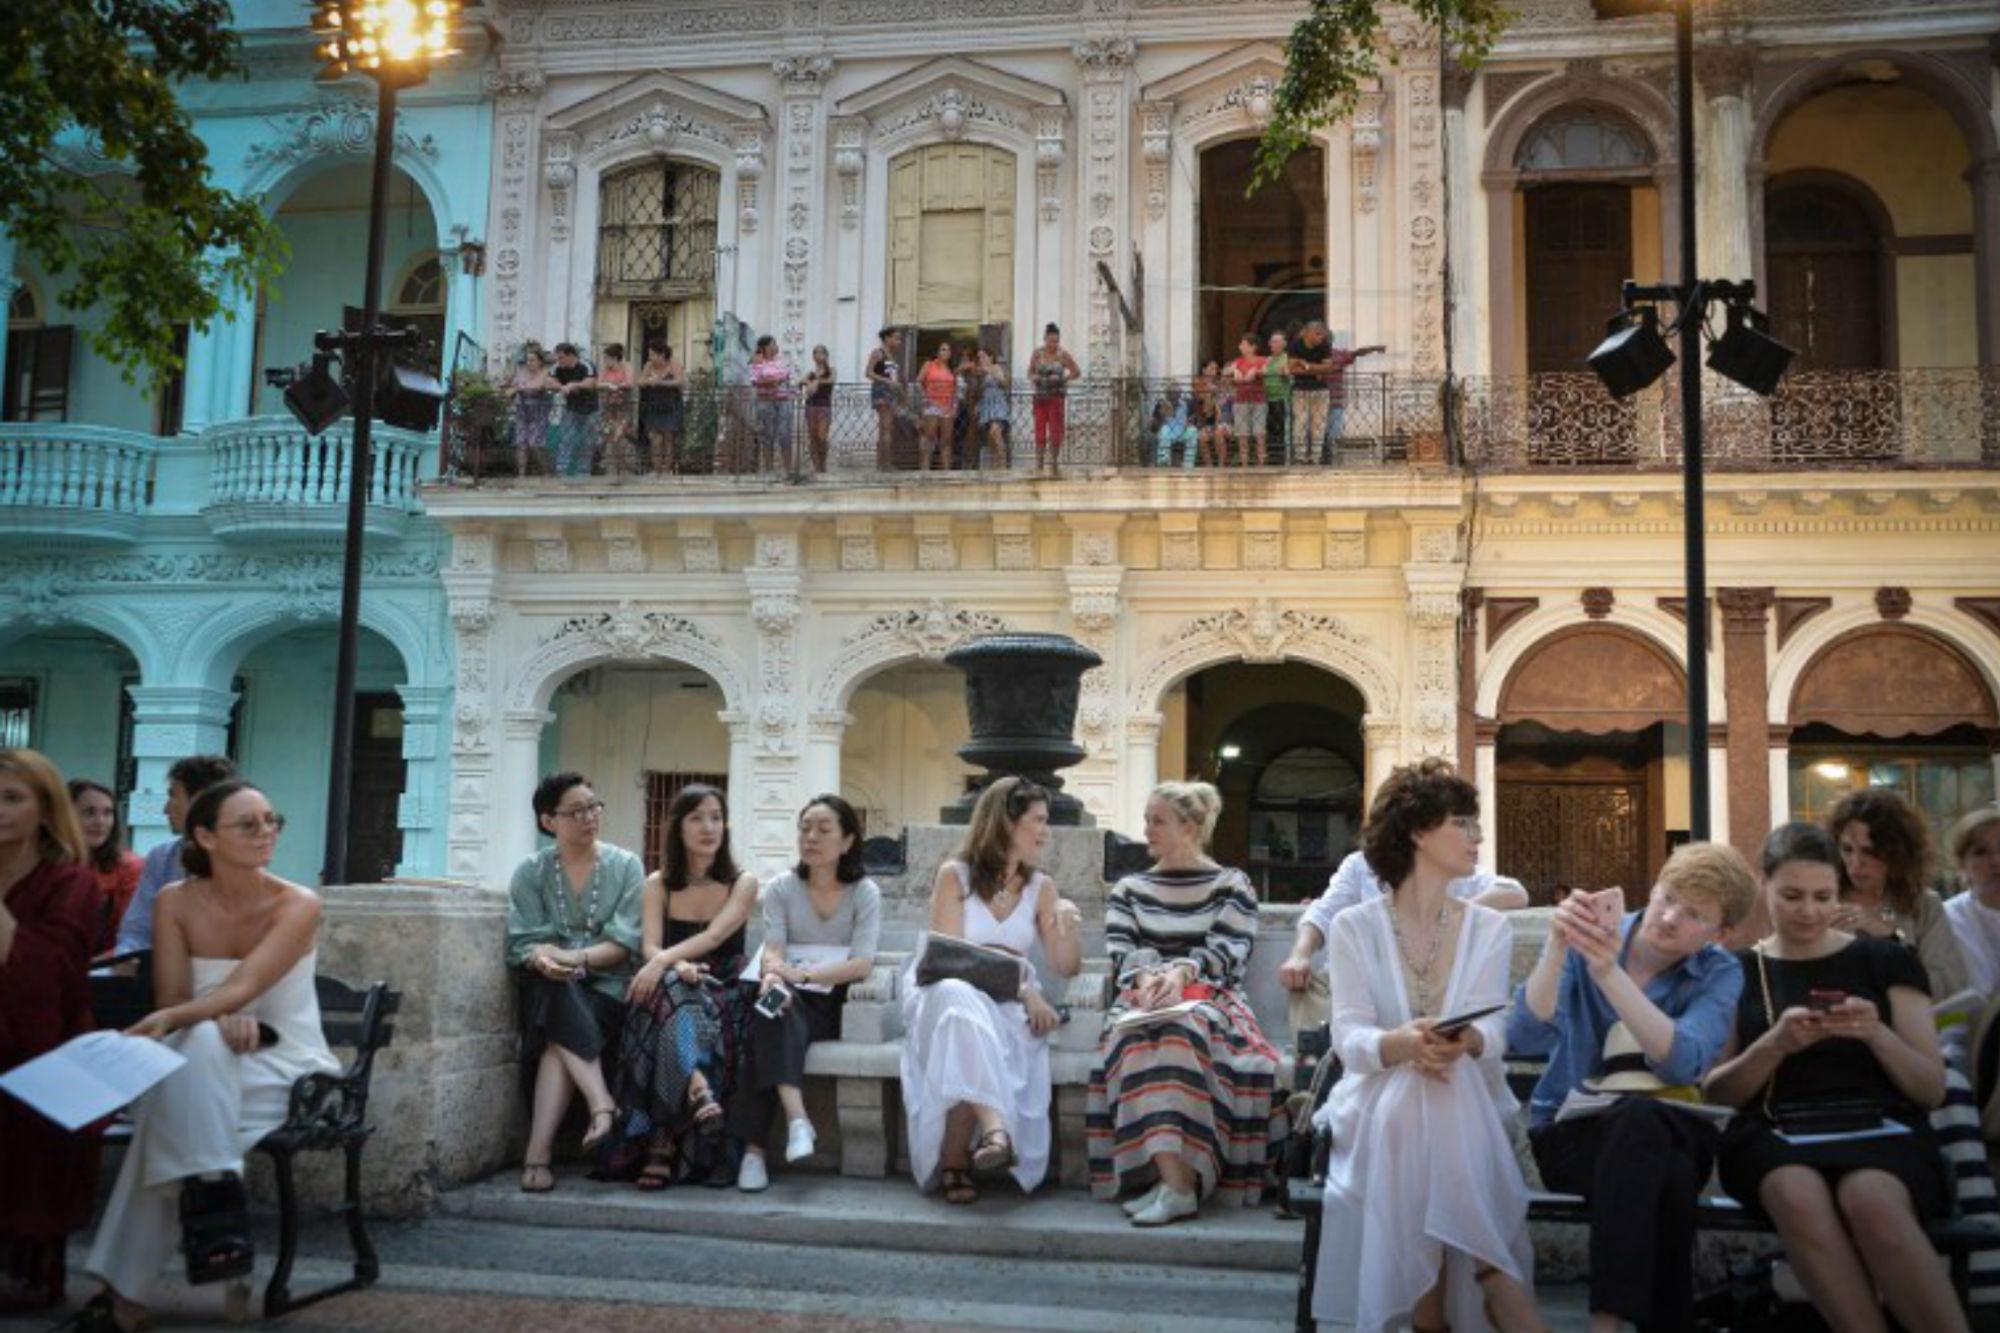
<point>170,558</point>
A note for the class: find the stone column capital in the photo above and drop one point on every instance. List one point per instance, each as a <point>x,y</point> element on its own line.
<point>1725,69</point>
<point>1104,57</point>
<point>802,76</point>
<point>1745,610</point>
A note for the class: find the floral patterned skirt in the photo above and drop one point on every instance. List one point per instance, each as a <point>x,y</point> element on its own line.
<point>679,1031</point>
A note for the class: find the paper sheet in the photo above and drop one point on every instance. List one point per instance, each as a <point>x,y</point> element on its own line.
<point>91,1076</point>
<point>799,955</point>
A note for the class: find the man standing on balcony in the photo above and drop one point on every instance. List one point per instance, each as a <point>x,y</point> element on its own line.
<point>1319,388</point>
<point>1050,370</point>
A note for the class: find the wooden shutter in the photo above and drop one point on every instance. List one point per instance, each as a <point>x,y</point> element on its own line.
<point>906,182</point>
<point>1579,240</point>
<point>47,373</point>
<point>998,201</point>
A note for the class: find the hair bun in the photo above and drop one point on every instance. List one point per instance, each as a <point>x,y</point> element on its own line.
<point>1197,803</point>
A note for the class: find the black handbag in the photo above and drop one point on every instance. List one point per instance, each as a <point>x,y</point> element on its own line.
<point>991,971</point>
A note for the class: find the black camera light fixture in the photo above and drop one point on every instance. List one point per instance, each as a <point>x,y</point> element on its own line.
<point>314,397</point>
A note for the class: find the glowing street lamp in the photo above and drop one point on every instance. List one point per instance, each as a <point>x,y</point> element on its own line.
<point>393,42</point>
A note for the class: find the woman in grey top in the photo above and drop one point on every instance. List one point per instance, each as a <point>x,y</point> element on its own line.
<point>823,903</point>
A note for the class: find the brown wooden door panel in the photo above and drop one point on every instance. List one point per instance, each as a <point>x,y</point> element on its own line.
<point>1579,244</point>
<point>1588,835</point>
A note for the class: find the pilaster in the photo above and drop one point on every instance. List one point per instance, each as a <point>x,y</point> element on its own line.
<point>773,583</point>
<point>507,820</point>
<point>1723,73</point>
<point>169,722</point>
<point>516,95</point>
<point>1156,120</point>
<point>803,125</point>
<point>1102,222</point>
<point>1746,701</point>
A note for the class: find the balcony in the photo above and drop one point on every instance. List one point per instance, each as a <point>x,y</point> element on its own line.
<point>80,484</point>
<point>269,481</point>
<point>1565,422</point>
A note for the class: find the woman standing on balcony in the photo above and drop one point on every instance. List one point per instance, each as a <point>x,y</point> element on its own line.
<point>661,385</point>
<point>975,1070</point>
<point>1180,1101</point>
<point>939,383</point>
<point>117,870</point>
<point>50,922</point>
<point>818,393</point>
<point>771,383</point>
<point>572,928</point>
<point>574,431</point>
<point>614,416</point>
<point>687,1016</point>
<point>996,409</point>
<point>534,392</point>
<point>885,392</point>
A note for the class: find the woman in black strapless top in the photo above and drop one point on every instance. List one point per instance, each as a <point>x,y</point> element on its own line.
<point>687,1015</point>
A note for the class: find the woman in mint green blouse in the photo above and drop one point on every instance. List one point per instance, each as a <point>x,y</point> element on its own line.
<point>572,928</point>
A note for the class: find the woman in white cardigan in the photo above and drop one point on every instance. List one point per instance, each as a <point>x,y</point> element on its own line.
<point>1426,1211</point>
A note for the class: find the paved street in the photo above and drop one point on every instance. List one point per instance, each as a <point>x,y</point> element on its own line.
<point>464,1269</point>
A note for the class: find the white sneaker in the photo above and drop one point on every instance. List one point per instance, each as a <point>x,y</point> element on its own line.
<point>751,1177</point>
<point>1138,1203</point>
<point>799,1140</point>
<point>1167,1206</point>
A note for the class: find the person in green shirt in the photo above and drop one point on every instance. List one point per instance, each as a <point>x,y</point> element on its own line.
<point>1278,395</point>
<point>572,928</point>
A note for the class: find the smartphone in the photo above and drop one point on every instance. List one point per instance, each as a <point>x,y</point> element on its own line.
<point>773,1001</point>
<point>1825,999</point>
<point>1609,906</point>
<point>1448,1027</point>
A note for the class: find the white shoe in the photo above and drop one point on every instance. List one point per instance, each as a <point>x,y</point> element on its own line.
<point>1168,1205</point>
<point>1139,1203</point>
<point>751,1177</point>
<point>799,1140</point>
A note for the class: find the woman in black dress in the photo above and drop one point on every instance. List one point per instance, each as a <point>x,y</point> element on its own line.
<point>688,1012</point>
<point>1832,1022</point>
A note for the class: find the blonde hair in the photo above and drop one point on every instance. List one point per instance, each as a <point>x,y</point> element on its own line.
<point>1196,803</point>
<point>62,833</point>
<point>1969,828</point>
<point>1714,871</point>
<point>990,835</point>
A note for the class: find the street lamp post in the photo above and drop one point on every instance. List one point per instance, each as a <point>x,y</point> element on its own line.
<point>393,42</point>
<point>1634,356</point>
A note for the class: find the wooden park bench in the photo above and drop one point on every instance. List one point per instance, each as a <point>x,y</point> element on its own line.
<point>328,1112</point>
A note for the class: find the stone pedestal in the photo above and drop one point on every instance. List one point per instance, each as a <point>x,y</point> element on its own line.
<point>446,1098</point>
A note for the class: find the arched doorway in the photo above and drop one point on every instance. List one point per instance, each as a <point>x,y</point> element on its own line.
<point>325,222</point>
<point>656,257</point>
<point>1282,742</point>
<point>1263,255</point>
<point>1893,706</point>
<point>284,741</point>
<point>899,761</point>
<point>640,732</point>
<point>62,692</point>
<point>1589,774</point>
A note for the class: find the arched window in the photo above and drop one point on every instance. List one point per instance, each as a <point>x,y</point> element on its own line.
<point>419,300</point>
<point>1583,139</point>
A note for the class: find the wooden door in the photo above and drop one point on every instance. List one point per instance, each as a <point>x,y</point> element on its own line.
<point>1579,239</point>
<point>1824,266</point>
<point>374,838</point>
<point>1557,834</point>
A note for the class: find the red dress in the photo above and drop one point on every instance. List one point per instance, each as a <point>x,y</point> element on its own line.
<point>44,1001</point>
<point>117,884</point>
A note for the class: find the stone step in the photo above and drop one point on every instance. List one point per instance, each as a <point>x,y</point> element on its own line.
<point>809,1209</point>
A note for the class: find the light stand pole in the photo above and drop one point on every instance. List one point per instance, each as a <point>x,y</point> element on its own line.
<point>393,42</point>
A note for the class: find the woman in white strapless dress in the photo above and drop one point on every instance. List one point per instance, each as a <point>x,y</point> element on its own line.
<point>233,949</point>
<point>976,1070</point>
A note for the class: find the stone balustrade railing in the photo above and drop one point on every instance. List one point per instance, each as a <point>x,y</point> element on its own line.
<point>88,482</point>
<point>269,478</point>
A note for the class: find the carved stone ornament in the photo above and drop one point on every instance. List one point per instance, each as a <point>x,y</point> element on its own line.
<point>1892,603</point>
<point>1051,151</point>
<point>1155,152</point>
<point>802,76</point>
<point>850,137</point>
<point>1597,602</point>
<point>933,629</point>
<point>344,128</point>
<point>523,82</point>
<point>628,632</point>
<point>1104,55</point>
<point>559,174</point>
<point>1263,633</point>
<point>1367,140</point>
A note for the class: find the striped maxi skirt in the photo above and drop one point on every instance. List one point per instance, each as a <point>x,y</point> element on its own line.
<point>1202,1086</point>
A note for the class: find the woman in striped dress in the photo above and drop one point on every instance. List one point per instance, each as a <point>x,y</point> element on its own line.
<point>1180,1103</point>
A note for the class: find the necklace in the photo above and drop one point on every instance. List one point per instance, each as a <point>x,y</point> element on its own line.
<point>1421,975</point>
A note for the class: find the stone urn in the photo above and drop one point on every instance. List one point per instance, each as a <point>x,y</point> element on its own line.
<point>1021,693</point>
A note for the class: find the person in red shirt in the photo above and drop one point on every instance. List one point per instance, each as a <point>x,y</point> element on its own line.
<point>117,869</point>
<point>939,383</point>
<point>1246,372</point>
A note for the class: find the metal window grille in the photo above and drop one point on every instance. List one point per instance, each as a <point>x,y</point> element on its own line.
<point>661,788</point>
<point>656,231</point>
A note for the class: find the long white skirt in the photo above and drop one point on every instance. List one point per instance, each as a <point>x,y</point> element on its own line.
<point>1421,1172</point>
<point>961,1045</point>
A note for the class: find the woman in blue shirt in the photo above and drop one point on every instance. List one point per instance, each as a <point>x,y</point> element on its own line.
<point>1642,1163</point>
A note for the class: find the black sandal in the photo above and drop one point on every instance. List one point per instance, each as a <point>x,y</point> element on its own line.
<point>707,1111</point>
<point>95,1315</point>
<point>215,1230</point>
<point>957,1186</point>
<point>658,1172</point>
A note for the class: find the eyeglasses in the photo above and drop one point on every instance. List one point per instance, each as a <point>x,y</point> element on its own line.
<point>1468,825</point>
<point>589,810</point>
<point>250,828</point>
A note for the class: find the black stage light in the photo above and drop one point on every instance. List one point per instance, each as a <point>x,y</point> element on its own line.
<point>407,397</point>
<point>1748,354</point>
<point>1633,355</point>
<point>315,397</point>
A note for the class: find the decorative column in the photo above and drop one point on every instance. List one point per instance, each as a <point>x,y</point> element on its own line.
<point>773,582</point>
<point>802,79</point>
<point>1094,603</point>
<point>462,260</point>
<point>850,161</point>
<point>1373,310</point>
<point>1156,120</point>
<point>468,581</point>
<point>1383,738</point>
<point>216,385</point>
<point>1462,200</point>
<point>821,769</point>
<point>511,835</point>
<point>1486,777</point>
<point>559,177</point>
<point>1422,221</point>
<point>1142,768</point>
<point>743,293</point>
<point>1051,152</point>
<point>516,94</point>
<point>742,779</point>
<point>1106,64</point>
<point>1722,74</point>
<point>1746,704</point>
<point>169,722</point>
<point>416,812</point>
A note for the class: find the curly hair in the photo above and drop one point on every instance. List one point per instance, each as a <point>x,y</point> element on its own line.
<point>1897,837</point>
<point>1415,799</point>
